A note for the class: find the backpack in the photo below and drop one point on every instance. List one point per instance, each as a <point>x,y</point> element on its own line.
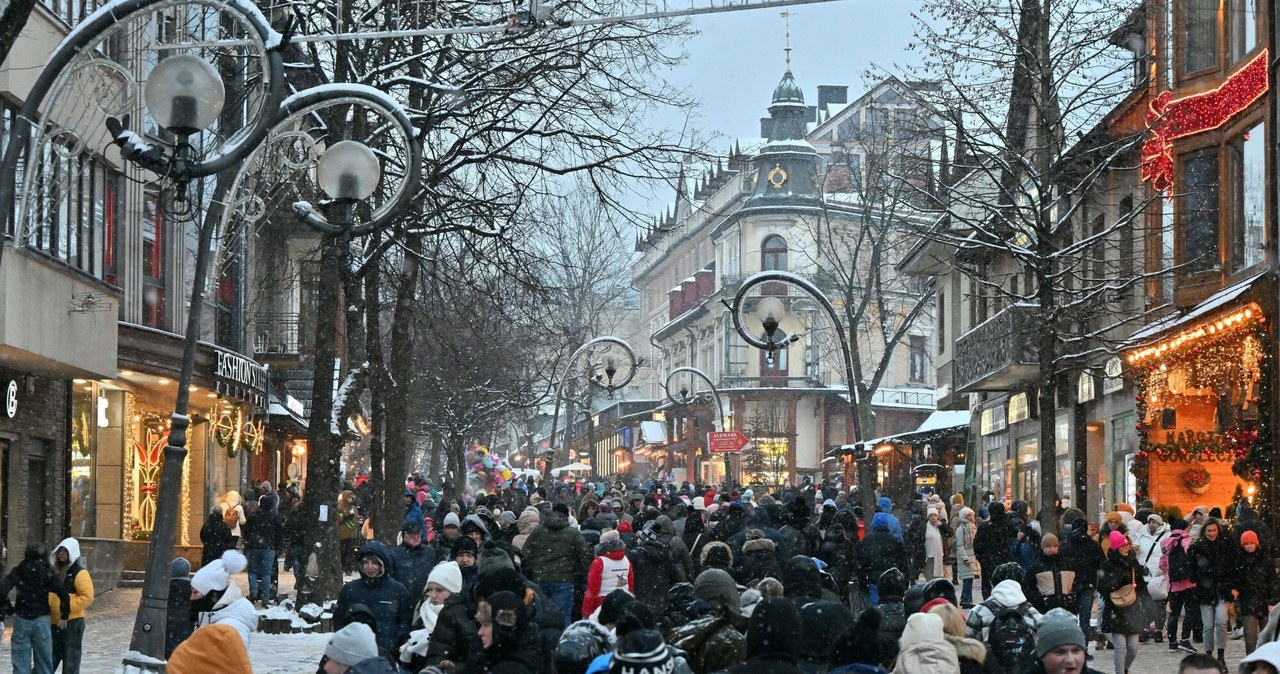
<point>1179,563</point>
<point>231,517</point>
<point>1010,639</point>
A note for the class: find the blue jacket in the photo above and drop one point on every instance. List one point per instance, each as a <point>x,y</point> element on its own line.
<point>886,508</point>
<point>384,596</point>
<point>412,567</point>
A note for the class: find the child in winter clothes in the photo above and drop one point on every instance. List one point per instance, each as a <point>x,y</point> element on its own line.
<point>1050,582</point>
<point>1256,588</point>
<point>610,570</point>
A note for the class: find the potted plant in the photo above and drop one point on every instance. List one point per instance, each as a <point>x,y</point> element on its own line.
<point>1197,479</point>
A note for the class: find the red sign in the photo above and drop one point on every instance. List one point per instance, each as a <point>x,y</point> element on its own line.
<point>727,441</point>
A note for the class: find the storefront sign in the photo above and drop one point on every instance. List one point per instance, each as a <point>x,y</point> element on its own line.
<point>240,377</point>
<point>11,399</point>
<point>294,405</point>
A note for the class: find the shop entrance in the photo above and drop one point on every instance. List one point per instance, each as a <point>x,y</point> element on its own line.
<point>36,499</point>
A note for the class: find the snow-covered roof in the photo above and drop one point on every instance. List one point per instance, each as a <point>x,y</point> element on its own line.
<point>1214,302</point>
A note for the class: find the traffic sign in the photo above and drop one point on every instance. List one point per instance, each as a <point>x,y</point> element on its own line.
<point>727,441</point>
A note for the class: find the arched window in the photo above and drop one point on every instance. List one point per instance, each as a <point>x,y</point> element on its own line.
<point>773,254</point>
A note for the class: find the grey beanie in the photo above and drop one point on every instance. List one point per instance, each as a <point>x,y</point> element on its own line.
<point>716,586</point>
<point>1058,628</point>
<point>352,645</point>
<point>179,568</point>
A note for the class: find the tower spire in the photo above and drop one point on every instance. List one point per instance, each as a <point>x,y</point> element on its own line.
<point>786,18</point>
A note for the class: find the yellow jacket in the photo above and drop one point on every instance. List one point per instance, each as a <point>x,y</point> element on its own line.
<point>80,589</point>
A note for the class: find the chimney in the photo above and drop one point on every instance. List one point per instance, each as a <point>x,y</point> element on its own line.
<point>829,94</point>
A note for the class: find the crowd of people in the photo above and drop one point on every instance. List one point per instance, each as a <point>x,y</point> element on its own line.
<point>580,577</point>
<point>595,577</point>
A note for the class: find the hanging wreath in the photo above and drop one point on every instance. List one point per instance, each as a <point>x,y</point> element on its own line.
<point>234,431</point>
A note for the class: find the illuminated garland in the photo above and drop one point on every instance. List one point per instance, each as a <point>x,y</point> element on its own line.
<point>1169,119</point>
<point>234,431</point>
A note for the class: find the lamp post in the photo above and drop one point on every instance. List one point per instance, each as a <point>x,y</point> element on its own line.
<point>770,310</point>
<point>686,398</point>
<point>605,380</point>
<point>184,95</point>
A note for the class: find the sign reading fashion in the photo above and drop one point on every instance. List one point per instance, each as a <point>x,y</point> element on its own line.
<point>240,370</point>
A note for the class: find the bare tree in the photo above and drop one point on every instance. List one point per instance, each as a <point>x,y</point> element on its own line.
<point>12,20</point>
<point>1025,89</point>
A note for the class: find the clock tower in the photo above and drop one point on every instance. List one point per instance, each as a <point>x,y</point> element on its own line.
<point>786,167</point>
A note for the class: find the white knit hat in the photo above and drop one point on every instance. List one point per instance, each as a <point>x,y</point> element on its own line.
<point>452,519</point>
<point>922,627</point>
<point>447,575</point>
<point>352,645</point>
<point>216,575</point>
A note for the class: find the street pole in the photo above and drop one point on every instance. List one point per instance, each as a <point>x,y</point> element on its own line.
<point>866,463</point>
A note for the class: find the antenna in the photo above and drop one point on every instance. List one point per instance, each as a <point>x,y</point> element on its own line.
<point>786,18</point>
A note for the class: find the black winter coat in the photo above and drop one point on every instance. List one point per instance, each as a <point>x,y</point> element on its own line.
<point>881,551</point>
<point>801,538</point>
<point>759,560</point>
<point>263,530</point>
<point>1085,556</point>
<point>1256,582</point>
<point>215,536</point>
<point>1117,571</point>
<point>178,624</point>
<point>34,579</point>
<point>456,638</point>
<point>993,542</point>
<point>1058,573</point>
<point>654,572</point>
<point>1213,568</point>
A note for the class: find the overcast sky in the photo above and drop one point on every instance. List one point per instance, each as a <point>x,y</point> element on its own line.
<point>738,59</point>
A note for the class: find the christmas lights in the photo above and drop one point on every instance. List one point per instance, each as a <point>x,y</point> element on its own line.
<point>1169,119</point>
<point>1223,329</point>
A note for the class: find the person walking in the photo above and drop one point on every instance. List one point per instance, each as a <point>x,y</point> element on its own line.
<point>1256,588</point>
<point>1121,584</point>
<point>68,641</point>
<point>935,532</point>
<point>215,537</point>
<point>556,558</point>
<point>232,508</point>
<point>992,543</point>
<point>31,646</point>
<point>1213,570</point>
<point>262,537</point>
<point>966,561</point>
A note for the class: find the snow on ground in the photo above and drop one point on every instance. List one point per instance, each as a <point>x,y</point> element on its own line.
<point>109,626</point>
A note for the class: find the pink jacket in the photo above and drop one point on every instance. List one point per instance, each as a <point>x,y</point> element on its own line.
<point>1177,537</point>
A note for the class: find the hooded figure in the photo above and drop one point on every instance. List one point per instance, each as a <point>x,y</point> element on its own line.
<point>773,639</point>
<point>652,570</point>
<point>529,520</point>
<point>880,551</point>
<point>232,508</point>
<point>215,600</point>
<point>505,634</point>
<point>215,536</point>
<point>993,543</point>
<point>715,641</point>
<point>885,506</point>
<point>387,599</point>
<point>67,641</point>
<point>821,624</point>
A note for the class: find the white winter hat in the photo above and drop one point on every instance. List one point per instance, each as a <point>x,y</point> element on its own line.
<point>216,575</point>
<point>922,627</point>
<point>447,575</point>
<point>352,645</point>
<point>452,520</point>
<point>698,503</point>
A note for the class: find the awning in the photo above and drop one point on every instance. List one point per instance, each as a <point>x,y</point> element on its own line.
<point>276,411</point>
<point>1216,301</point>
<point>939,423</point>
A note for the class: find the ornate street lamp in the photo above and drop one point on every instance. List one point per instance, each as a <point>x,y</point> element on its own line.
<point>687,398</point>
<point>770,310</point>
<point>604,380</point>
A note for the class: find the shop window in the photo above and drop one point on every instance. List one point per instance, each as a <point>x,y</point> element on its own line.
<point>1028,469</point>
<point>1019,407</point>
<point>1124,442</point>
<point>1199,36</point>
<point>1198,222</point>
<point>1085,388</point>
<point>993,420</point>
<point>1247,182</point>
<point>918,358</point>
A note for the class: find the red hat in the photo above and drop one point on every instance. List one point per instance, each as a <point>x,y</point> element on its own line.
<point>936,602</point>
<point>1248,537</point>
<point>624,527</point>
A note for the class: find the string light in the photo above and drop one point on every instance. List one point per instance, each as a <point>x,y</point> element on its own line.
<point>1228,327</point>
<point>1169,118</point>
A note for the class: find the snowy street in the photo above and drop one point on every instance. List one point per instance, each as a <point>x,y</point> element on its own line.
<point>110,624</point>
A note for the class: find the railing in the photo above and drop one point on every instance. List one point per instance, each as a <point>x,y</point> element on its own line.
<point>280,333</point>
<point>901,397</point>
<point>998,354</point>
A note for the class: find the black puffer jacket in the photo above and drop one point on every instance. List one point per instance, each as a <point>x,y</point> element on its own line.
<point>456,638</point>
<point>34,579</point>
<point>881,551</point>
<point>215,536</point>
<point>1213,568</point>
<point>994,540</point>
<point>1256,582</point>
<point>759,560</point>
<point>1084,555</point>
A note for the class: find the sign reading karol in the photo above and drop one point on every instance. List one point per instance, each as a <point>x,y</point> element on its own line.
<point>727,441</point>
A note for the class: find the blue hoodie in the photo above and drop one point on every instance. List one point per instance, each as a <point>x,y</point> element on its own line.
<point>886,509</point>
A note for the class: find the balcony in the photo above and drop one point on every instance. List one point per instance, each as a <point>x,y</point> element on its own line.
<point>282,334</point>
<point>997,355</point>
